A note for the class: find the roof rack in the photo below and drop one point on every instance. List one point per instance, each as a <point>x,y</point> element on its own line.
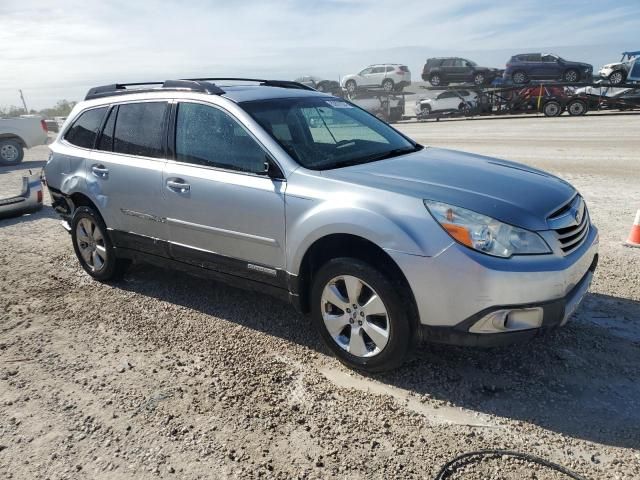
<point>263,82</point>
<point>201,85</point>
<point>124,88</point>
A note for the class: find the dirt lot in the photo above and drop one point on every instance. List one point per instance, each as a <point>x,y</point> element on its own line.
<point>167,376</point>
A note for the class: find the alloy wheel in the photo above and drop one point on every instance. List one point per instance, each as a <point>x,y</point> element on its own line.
<point>355,316</point>
<point>91,244</point>
<point>571,76</point>
<point>519,77</point>
<point>615,78</point>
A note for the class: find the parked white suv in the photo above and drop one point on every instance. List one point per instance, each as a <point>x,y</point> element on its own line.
<point>389,76</point>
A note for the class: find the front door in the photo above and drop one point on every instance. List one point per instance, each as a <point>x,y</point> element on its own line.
<point>223,212</point>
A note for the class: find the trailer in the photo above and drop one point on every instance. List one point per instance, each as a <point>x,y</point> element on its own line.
<point>549,98</point>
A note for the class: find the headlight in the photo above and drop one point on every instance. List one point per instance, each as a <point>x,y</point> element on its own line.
<point>486,234</point>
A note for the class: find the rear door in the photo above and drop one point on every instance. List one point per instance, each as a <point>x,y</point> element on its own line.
<point>458,70</point>
<point>125,174</point>
<point>550,67</point>
<point>223,212</point>
<point>376,77</point>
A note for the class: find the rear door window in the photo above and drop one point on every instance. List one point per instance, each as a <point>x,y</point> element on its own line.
<point>85,129</point>
<point>139,129</point>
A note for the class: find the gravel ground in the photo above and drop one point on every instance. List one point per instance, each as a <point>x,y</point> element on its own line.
<point>167,376</point>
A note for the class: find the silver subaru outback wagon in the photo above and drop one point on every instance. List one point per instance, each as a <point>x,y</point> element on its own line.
<point>272,185</point>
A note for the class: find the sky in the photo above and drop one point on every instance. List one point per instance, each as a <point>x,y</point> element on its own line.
<point>57,49</point>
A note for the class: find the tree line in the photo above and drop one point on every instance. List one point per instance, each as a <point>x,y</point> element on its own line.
<point>61,109</point>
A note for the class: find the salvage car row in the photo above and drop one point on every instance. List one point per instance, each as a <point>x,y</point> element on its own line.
<point>520,69</point>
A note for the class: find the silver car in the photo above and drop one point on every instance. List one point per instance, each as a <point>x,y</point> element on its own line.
<point>381,240</point>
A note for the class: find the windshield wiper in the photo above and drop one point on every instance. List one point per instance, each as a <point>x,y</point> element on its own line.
<point>396,152</point>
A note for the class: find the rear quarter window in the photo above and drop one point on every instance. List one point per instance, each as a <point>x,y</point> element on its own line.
<point>85,129</point>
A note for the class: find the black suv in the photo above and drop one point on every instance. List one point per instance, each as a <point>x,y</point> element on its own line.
<point>441,71</point>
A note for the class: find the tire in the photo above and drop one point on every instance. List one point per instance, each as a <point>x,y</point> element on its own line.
<point>383,340</point>
<point>571,76</point>
<point>519,77</point>
<point>351,86</point>
<point>617,77</point>
<point>93,246</point>
<point>11,152</point>
<point>435,79</point>
<point>479,78</point>
<point>552,108</point>
<point>464,108</point>
<point>577,108</point>
<point>387,85</point>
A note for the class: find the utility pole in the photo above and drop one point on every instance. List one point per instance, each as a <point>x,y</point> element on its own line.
<point>26,110</point>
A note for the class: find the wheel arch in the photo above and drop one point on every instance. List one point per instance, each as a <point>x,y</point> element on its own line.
<point>338,245</point>
<point>13,136</point>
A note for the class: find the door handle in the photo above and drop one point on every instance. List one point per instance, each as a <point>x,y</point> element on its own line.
<point>178,185</point>
<point>100,171</point>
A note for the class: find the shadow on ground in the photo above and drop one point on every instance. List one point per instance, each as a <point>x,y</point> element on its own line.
<point>45,212</point>
<point>582,380</point>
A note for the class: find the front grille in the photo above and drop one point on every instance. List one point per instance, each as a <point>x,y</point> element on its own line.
<point>570,224</point>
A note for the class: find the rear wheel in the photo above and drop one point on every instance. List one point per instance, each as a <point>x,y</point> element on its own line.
<point>435,79</point>
<point>577,108</point>
<point>351,86</point>
<point>552,108</point>
<point>387,85</point>
<point>11,152</point>
<point>361,315</point>
<point>93,246</point>
<point>519,77</point>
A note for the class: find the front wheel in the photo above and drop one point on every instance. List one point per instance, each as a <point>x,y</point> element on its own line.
<point>479,79</point>
<point>351,87</point>
<point>93,246</point>
<point>11,152</point>
<point>617,77</point>
<point>361,315</point>
<point>571,76</point>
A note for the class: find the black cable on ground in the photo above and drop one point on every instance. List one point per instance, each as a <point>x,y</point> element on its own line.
<point>466,458</point>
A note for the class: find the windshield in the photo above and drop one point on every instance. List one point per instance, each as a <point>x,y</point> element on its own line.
<point>322,133</point>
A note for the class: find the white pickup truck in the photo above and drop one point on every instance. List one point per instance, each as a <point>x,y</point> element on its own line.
<point>16,134</point>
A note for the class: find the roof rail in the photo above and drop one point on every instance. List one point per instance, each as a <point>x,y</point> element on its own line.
<point>263,82</point>
<point>124,88</point>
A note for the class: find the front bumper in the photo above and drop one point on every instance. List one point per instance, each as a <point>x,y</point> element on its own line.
<point>554,314</point>
<point>458,287</point>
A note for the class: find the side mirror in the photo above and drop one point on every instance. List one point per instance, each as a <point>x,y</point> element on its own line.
<point>271,170</point>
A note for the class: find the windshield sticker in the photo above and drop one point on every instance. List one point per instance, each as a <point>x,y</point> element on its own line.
<point>338,104</point>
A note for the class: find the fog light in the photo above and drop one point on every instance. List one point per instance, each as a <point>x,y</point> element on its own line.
<point>509,320</point>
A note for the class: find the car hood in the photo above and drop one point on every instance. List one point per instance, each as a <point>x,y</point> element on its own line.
<point>611,65</point>
<point>507,191</point>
